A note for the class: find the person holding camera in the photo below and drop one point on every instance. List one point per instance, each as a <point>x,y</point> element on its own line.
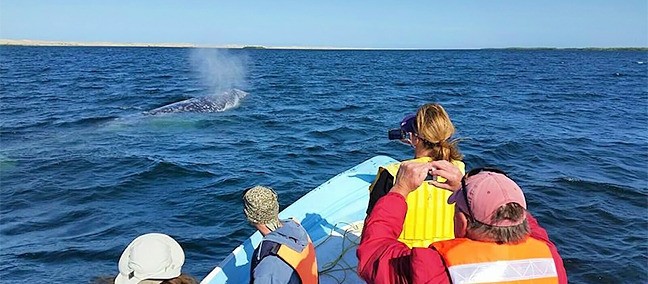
<point>497,239</point>
<point>429,132</point>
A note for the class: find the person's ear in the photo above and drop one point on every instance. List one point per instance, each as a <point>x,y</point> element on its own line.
<point>460,224</point>
<point>414,140</point>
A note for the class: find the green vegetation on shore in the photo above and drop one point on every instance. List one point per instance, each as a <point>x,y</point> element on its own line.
<point>573,48</point>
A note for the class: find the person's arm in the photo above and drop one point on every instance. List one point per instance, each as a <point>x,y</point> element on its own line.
<point>381,257</point>
<point>431,267</point>
<point>539,233</point>
<point>380,187</point>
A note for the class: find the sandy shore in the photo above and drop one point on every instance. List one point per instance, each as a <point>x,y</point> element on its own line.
<point>97,43</point>
<point>29,42</point>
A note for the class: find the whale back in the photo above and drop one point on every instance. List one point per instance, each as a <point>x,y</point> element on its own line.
<point>215,103</point>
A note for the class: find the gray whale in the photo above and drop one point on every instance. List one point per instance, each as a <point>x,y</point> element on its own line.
<point>216,103</point>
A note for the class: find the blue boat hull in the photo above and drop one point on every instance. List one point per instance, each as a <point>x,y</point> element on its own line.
<point>332,213</point>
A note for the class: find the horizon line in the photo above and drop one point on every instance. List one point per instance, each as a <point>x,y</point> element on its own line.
<point>30,42</point>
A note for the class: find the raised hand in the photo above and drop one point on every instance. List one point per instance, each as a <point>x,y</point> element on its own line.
<point>410,176</point>
<point>450,172</point>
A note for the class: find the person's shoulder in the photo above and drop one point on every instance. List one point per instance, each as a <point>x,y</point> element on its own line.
<point>389,167</point>
<point>423,159</point>
<point>293,227</point>
<point>290,232</point>
<point>459,164</point>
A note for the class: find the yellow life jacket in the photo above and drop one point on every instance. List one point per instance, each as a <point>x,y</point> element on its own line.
<point>429,217</point>
<point>471,261</point>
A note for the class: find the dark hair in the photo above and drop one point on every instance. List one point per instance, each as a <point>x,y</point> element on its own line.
<point>103,280</point>
<point>510,234</point>
<point>182,279</point>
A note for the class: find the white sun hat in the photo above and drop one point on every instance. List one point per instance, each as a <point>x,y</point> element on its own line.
<point>151,256</point>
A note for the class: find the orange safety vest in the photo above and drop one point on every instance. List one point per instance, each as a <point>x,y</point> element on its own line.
<point>471,261</point>
<point>304,262</point>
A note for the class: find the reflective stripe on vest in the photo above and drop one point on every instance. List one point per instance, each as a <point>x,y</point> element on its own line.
<point>429,217</point>
<point>504,271</point>
<point>471,261</point>
<point>304,262</point>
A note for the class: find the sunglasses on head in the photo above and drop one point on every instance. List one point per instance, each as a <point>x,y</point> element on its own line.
<point>472,173</point>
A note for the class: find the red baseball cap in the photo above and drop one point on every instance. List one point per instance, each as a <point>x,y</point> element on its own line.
<point>486,192</point>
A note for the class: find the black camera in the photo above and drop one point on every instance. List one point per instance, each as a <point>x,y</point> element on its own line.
<point>407,125</point>
<point>396,134</point>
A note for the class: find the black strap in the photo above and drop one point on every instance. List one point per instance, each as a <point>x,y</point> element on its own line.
<point>265,249</point>
<point>382,186</point>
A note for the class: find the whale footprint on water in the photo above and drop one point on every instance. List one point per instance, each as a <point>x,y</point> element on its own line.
<point>216,103</point>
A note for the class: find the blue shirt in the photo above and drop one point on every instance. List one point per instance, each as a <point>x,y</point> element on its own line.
<point>269,268</point>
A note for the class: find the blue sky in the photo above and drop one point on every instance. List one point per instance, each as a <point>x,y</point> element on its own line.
<point>377,24</point>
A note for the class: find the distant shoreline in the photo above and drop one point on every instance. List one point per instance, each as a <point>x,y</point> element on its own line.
<point>26,42</point>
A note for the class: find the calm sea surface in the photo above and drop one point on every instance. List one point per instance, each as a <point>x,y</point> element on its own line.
<point>83,171</point>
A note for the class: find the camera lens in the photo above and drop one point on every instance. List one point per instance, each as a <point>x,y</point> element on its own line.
<point>396,134</point>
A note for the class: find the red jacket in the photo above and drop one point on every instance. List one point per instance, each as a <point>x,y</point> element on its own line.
<point>384,259</point>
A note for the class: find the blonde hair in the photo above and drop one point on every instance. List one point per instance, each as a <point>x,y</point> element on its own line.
<point>434,127</point>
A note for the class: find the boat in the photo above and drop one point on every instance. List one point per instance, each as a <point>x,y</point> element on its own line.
<point>333,215</point>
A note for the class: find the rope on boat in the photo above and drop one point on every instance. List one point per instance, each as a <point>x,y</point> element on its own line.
<point>347,244</point>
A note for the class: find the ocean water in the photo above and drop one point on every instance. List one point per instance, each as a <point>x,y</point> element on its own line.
<point>83,171</point>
